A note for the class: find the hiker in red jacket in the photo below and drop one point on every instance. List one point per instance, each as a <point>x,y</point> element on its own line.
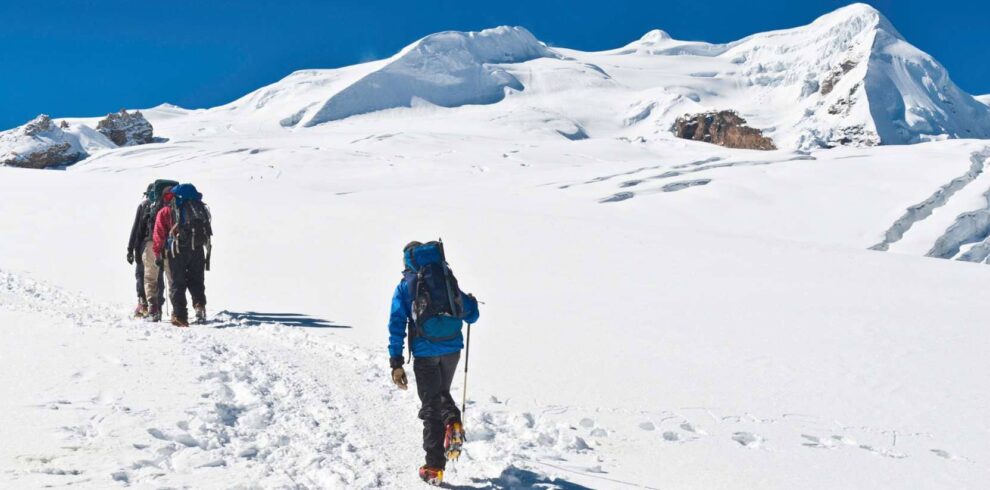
<point>179,244</point>
<point>163,225</point>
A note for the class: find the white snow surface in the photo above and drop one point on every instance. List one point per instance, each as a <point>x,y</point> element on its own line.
<point>716,322</point>
<point>658,313</point>
<point>984,99</point>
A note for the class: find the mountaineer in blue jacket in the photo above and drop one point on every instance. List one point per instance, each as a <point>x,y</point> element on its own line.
<point>429,305</point>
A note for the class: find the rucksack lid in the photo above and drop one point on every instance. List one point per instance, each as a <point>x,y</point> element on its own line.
<point>186,192</point>
<point>425,254</point>
<point>158,187</point>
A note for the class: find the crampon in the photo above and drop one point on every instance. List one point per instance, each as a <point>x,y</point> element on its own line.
<point>453,440</point>
<point>433,476</point>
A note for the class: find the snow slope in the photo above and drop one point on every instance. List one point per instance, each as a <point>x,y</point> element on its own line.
<point>739,331</point>
<point>658,313</point>
<point>984,99</point>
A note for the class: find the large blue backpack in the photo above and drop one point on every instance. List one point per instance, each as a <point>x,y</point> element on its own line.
<point>437,306</point>
<point>194,223</point>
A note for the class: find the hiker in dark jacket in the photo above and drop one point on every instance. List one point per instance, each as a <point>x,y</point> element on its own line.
<point>135,249</point>
<point>435,361</point>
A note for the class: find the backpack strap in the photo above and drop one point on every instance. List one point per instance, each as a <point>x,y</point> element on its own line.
<point>410,279</point>
<point>173,234</point>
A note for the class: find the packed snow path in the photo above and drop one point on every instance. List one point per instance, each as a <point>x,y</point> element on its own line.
<point>247,402</point>
<point>240,402</point>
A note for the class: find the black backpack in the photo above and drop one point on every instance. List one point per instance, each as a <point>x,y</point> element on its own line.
<point>437,306</point>
<point>193,222</point>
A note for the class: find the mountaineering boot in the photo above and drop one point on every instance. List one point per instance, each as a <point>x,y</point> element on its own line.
<point>179,321</point>
<point>200,313</point>
<point>453,440</point>
<point>433,476</point>
<point>141,311</point>
<point>154,314</point>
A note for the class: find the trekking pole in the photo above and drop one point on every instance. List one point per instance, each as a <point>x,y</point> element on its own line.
<point>467,357</point>
<point>164,288</point>
<point>165,299</point>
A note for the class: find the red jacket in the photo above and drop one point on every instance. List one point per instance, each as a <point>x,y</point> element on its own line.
<point>163,225</point>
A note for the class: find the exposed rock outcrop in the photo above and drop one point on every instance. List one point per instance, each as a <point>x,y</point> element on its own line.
<point>844,105</point>
<point>39,144</point>
<point>724,128</point>
<point>127,129</point>
<point>836,74</point>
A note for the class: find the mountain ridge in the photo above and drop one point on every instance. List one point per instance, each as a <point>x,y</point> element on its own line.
<point>848,78</point>
<point>831,81</point>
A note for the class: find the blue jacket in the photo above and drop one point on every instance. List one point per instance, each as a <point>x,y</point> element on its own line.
<point>401,315</point>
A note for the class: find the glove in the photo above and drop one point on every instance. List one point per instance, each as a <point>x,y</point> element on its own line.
<point>130,257</point>
<point>399,378</point>
<point>159,261</point>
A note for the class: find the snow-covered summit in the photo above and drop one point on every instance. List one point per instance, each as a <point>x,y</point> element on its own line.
<point>447,69</point>
<point>911,97</point>
<point>166,110</point>
<point>655,36</point>
<point>985,99</point>
<point>857,16</point>
<point>848,78</point>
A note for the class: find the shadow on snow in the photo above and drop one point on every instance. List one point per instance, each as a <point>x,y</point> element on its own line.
<point>254,318</point>
<point>513,478</point>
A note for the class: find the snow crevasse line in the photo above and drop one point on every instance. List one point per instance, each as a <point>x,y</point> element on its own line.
<point>969,227</point>
<point>924,209</point>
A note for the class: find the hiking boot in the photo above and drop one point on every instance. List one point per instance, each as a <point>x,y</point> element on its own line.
<point>154,314</point>
<point>453,440</point>
<point>433,476</point>
<point>179,321</point>
<point>200,313</point>
<point>141,311</point>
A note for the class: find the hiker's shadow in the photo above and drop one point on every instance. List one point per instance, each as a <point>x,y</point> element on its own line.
<point>513,478</point>
<point>254,318</point>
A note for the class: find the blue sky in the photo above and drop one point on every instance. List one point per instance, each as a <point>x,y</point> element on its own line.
<point>85,57</point>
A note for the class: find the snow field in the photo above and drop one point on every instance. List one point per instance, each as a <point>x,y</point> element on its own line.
<point>752,316</point>
<point>659,313</point>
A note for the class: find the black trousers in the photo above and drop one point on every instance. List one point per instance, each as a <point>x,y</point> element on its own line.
<point>433,378</point>
<point>139,275</point>
<point>187,270</point>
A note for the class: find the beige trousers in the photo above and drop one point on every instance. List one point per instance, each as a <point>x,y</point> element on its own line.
<point>150,274</point>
